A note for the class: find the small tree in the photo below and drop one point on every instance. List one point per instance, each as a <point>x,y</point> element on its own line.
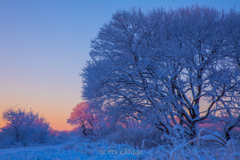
<point>82,116</point>
<point>24,127</point>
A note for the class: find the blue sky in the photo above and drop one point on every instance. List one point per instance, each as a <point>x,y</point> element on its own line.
<point>44,44</point>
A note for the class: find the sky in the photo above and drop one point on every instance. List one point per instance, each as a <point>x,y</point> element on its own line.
<point>44,44</point>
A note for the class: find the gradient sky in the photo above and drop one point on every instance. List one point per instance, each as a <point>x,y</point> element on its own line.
<point>44,44</point>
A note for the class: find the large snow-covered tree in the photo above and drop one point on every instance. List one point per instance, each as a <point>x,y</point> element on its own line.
<point>161,66</point>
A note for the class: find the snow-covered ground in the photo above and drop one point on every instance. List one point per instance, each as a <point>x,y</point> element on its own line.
<point>76,149</point>
<point>72,151</point>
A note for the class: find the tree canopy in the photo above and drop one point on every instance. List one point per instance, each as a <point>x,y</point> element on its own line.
<point>160,66</point>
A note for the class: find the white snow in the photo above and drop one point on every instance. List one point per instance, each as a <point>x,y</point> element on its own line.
<point>71,151</point>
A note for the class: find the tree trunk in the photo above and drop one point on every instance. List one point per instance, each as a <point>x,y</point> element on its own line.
<point>17,137</point>
<point>227,132</point>
<point>193,130</point>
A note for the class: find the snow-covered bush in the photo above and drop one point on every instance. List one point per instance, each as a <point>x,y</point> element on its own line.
<point>6,141</point>
<point>179,136</point>
<point>199,150</point>
<point>59,137</point>
<point>143,138</point>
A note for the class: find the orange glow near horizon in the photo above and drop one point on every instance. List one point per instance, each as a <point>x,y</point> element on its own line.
<point>54,106</point>
<point>56,125</point>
